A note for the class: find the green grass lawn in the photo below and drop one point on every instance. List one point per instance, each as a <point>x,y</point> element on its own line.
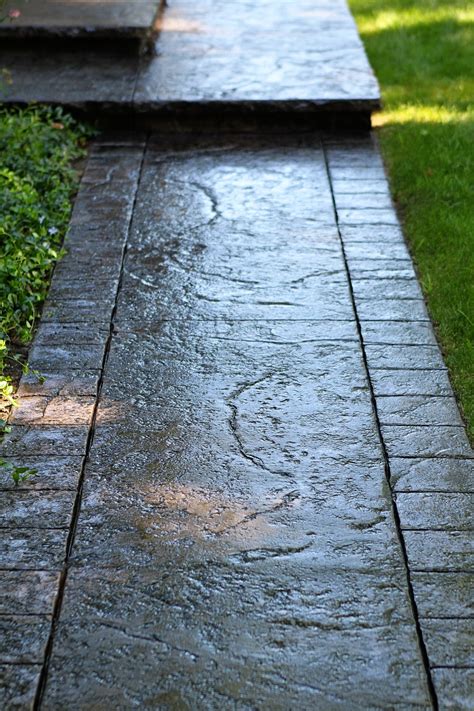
<point>422,52</point>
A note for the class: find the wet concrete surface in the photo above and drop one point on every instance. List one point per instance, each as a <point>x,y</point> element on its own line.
<point>236,545</point>
<point>236,538</point>
<point>202,270</point>
<point>18,684</point>
<point>53,20</point>
<point>273,50</point>
<point>210,59</point>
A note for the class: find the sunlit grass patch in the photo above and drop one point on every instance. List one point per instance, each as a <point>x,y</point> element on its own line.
<point>422,114</point>
<point>404,16</point>
<point>423,54</point>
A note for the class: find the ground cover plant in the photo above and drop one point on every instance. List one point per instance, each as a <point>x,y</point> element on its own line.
<point>38,147</point>
<point>423,54</point>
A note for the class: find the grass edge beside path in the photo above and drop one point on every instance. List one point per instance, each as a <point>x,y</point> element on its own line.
<point>422,52</point>
<point>38,147</point>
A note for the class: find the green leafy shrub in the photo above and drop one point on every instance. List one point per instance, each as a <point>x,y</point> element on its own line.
<point>37,181</point>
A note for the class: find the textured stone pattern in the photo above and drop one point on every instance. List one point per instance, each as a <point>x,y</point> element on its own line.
<point>235,419</point>
<point>237,537</point>
<point>51,428</point>
<point>71,19</point>
<point>431,461</point>
<point>272,50</point>
<point>246,55</point>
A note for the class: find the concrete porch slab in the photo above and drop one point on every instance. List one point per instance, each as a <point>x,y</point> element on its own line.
<point>73,19</point>
<point>212,58</point>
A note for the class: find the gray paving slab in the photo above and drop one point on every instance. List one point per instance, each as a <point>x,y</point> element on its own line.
<point>363,201</point>
<point>69,334</point>
<point>392,251</point>
<point>381,269</point>
<point>371,216</point>
<point>102,264</point>
<point>366,233</point>
<point>413,410</point>
<point>353,152</point>
<point>386,290</point>
<point>53,473</point>
<point>401,357</point>
<point>436,510</point>
<point>111,168</point>
<point>211,264</point>
<point>372,186</point>
<point>426,441</point>
<point>41,509</point>
<point>410,381</point>
<point>392,309</point>
<point>33,549</point>
<point>354,172</point>
<point>412,333</point>
<point>68,77</point>
<point>28,592</point>
<point>182,640</point>
<point>40,410</point>
<point>444,551</point>
<point>23,638</point>
<point>432,474</point>
<point>450,641</point>
<point>444,595</point>
<point>73,383</point>
<point>18,684</point>
<point>34,440</point>
<point>64,357</point>
<point>103,289</point>
<point>96,310</point>
<point>455,688</point>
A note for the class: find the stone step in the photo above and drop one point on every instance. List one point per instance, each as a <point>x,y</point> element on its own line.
<point>212,59</point>
<point>71,20</point>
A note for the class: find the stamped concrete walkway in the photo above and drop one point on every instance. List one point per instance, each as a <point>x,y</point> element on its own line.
<point>254,485</point>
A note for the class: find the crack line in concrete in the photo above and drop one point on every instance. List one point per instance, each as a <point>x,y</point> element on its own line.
<point>148,638</point>
<point>235,429</point>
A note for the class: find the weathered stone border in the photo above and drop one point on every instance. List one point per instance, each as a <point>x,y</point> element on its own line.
<point>53,428</point>
<point>429,460</point>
